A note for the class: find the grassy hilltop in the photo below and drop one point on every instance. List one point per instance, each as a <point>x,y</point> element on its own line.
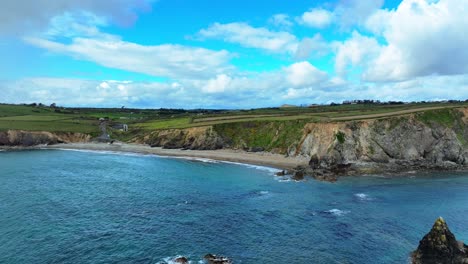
<point>140,121</point>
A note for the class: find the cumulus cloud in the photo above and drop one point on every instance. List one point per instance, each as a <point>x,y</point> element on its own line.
<point>357,51</point>
<point>316,18</point>
<point>422,38</point>
<point>315,46</point>
<point>20,16</point>
<point>304,74</point>
<point>251,37</point>
<point>241,92</point>
<point>217,85</point>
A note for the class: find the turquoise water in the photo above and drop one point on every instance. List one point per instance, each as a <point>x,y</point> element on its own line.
<point>84,207</point>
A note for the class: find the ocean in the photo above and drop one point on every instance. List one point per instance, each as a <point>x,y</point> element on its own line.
<point>61,206</point>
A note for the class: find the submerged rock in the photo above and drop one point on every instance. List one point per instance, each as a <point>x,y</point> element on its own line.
<point>214,259</point>
<point>439,246</point>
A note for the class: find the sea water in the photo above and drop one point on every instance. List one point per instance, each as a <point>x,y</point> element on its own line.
<point>60,206</point>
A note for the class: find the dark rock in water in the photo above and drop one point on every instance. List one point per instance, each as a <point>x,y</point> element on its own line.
<point>439,246</point>
<point>182,260</point>
<point>214,259</point>
<point>280,173</point>
<point>298,175</point>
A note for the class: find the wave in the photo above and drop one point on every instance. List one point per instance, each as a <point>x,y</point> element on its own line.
<point>258,167</point>
<point>362,196</point>
<point>336,212</point>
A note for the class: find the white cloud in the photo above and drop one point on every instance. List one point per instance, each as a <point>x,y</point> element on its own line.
<point>75,24</point>
<point>281,21</point>
<point>315,47</point>
<point>19,16</point>
<point>304,74</point>
<point>355,52</point>
<point>252,37</point>
<point>355,12</point>
<point>103,85</point>
<point>241,92</point>
<point>217,85</point>
<point>167,60</point>
<point>422,38</point>
<point>316,18</point>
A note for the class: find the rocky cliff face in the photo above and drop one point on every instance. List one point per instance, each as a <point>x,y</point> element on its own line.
<point>430,140</point>
<point>409,142</point>
<point>439,246</point>
<point>201,138</point>
<point>31,138</point>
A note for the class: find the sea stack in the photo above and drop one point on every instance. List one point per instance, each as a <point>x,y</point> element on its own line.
<point>440,246</point>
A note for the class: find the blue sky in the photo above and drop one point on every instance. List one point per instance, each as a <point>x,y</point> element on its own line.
<point>231,54</point>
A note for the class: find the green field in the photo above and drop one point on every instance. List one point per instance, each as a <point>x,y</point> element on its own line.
<point>85,120</point>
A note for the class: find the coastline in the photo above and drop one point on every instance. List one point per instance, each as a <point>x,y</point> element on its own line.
<point>276,161</point>
<point>299,166</point>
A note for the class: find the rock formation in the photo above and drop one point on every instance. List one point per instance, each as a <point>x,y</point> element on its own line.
<point>434,140</point>
<point>214,259</point>
<point>181,260</point>
<point>439,246</point>
<point>32,138</point>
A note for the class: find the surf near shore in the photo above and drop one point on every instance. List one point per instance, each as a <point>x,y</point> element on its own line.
<point>276,161</point>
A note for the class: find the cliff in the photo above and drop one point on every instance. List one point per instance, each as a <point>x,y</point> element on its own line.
<point>436,139</point>
<point>31,138</point>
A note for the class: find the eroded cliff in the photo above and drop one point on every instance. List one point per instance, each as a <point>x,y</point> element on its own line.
<point>32,138</point>
<point>429,140</point>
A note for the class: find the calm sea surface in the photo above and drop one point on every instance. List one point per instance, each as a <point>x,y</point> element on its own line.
<point>86,207</point>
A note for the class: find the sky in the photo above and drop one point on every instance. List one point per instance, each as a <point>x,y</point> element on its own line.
<point>232,53</point>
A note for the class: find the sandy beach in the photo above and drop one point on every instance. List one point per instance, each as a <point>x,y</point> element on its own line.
<point>255,158</point>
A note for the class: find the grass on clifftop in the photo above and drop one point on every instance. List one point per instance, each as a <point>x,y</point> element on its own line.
<point>284,120</point>
<point>444,117</point>
<point>271,135</point>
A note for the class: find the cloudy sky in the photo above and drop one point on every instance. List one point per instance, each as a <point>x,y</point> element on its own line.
<point>231,53</point>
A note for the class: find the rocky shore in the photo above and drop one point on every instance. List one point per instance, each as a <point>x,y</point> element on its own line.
<point>429,141</point>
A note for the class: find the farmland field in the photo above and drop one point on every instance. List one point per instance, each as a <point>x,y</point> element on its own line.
<point>85,120</point>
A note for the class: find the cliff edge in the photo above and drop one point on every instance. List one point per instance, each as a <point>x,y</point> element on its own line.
<point>31,138</point>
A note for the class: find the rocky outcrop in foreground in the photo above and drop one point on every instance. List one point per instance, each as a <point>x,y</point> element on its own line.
<point>32,138</point>
<point>439,246</point>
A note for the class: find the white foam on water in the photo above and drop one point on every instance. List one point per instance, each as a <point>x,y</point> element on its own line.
<point>205,160</point>
<point>362,196</point>
<point>258,167</point>
<point>264,192</point>
<point>337,212</point>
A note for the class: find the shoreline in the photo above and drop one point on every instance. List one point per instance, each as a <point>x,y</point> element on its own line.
<point>264,159</point>
<point>271,160</point>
